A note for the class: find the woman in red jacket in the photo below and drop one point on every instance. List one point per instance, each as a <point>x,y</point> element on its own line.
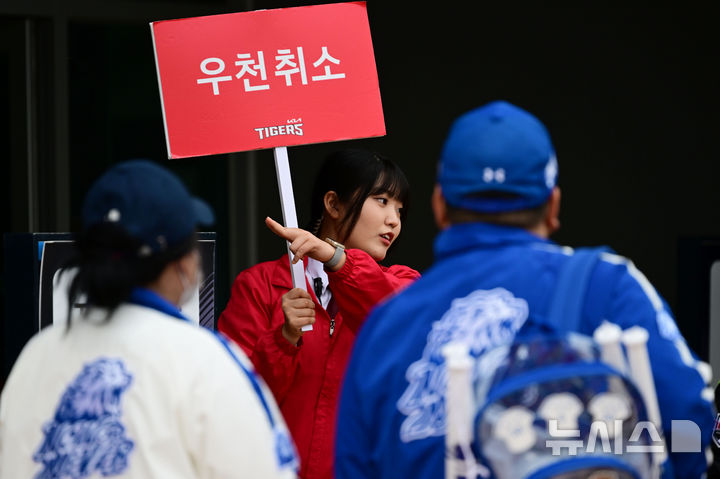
<point>358,204</point>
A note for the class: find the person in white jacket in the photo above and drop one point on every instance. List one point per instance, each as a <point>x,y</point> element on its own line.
<point>128,387</point>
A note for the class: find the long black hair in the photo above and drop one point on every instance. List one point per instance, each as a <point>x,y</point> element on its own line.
<point>109,263</point>
<point>356,174</point>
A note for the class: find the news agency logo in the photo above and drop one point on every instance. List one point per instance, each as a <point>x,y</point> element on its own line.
<point>685,437</point>
<point>292,127</point>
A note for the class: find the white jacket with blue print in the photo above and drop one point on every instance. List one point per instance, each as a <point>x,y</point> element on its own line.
<point>142,395</point>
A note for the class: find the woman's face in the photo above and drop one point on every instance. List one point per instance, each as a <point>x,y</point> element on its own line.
<point>377,227</point>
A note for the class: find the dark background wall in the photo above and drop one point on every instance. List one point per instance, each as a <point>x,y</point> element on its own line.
<point>630,96</point>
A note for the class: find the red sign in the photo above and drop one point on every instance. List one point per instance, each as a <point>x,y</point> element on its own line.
<point>267,78</point>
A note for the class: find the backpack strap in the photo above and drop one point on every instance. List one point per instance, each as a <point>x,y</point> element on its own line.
<point>566,304</point>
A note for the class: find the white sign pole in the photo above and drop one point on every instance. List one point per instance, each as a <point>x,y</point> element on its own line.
<point>287,203</point>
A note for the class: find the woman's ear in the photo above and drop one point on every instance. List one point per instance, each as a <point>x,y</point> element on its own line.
<point>333,208</point>
<point>189,264</point>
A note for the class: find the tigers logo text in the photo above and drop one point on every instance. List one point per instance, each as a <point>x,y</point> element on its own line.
<point>293,127</point>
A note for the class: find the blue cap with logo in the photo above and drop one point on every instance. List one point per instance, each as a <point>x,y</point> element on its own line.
<point>149,202</point>
<point>497,158</point>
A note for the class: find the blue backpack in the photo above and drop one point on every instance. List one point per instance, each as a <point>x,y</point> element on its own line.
<point>551,408</point>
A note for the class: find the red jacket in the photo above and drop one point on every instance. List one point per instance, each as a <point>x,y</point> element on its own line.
<point>306,379</point>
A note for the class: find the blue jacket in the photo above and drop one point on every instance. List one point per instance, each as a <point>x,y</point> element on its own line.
<point>485,281</point>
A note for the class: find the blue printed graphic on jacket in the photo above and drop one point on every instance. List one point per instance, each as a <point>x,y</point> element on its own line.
<point>382,393</point>
<point>482,320</point>
<point>86,436</point>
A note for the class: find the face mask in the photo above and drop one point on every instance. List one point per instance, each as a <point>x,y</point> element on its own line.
<point>189,286</point>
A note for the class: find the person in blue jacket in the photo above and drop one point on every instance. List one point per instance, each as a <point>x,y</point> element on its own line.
<point>496,202</point>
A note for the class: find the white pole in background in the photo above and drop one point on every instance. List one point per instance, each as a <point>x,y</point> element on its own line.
<point>287,203</point>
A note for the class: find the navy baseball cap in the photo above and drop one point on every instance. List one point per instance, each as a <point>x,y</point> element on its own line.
<point>497,158</point>
<point>149,202</point>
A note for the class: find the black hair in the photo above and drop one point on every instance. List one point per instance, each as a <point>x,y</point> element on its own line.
<point>109,264</point>
<point>525,218</point>
<point>355,175</point>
